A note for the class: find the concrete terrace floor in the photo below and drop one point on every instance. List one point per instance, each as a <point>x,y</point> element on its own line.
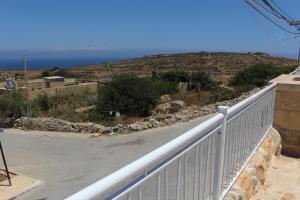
<point>68,162</point>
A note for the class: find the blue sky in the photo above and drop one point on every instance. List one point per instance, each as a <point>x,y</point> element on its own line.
<point>93,27</point>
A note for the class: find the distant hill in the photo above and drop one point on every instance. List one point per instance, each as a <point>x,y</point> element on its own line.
<point>220,65</point>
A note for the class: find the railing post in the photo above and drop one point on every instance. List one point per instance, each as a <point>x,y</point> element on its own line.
<point>223,110</point>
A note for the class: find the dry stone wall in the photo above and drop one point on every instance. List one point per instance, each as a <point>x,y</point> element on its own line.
<point>165,114</point>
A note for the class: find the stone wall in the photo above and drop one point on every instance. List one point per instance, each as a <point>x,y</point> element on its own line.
<point>7,122</point>
<point>253,176</point>
<point>66,90</point>
<point>165,114</point>
<point>52,124</point>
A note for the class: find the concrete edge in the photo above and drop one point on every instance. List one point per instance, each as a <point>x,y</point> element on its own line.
<point>31,187</point>
<point>24,190</point>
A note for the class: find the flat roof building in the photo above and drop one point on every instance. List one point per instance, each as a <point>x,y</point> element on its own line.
<point>54,79</point>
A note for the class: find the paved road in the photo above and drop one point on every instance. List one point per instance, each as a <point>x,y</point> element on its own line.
<point>68,162</point>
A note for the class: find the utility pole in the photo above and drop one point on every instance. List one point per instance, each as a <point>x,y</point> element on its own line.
<point>299,49</point>
<point>25,63</point>
<point>297,25</point>
<point>299,57</point>
<point>27,86</point>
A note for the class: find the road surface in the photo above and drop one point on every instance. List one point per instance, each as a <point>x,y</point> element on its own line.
<point>68,162</point>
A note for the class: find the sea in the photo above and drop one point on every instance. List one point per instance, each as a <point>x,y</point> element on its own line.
<point>15,63</point>
<point>47,63</point>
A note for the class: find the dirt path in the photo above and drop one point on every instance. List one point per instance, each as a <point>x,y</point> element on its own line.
<point>282,180</point>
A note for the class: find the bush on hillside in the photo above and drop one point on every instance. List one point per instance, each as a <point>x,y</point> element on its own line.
<point>257,75</point>
<point>201,81</point>
<point>164,87</point>
<point>129,95</point>
<point>43,102</point>
<point>174,76</point>
<point>12,104</point>
<point>287,70</point>
<point>45,73</point>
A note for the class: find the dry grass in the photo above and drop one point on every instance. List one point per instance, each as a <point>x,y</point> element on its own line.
<point>199,98</point>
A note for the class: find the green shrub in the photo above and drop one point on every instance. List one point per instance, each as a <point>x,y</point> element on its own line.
<point>174,76</point>
<point>201,81</point>
<point>12,104</point>
<point>128,94</point>
<point>257,75</point>
<point>45,73</point>
<point>287,70</point>
<point>164,87</point>
<point>43,102</point>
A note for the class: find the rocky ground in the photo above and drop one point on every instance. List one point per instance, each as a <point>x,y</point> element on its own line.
<point>282,180</point>
<point>269,175</point>
<point>219,65</point>
<point>165,114</point>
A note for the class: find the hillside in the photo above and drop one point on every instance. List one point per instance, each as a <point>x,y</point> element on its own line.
<point>219,65</point>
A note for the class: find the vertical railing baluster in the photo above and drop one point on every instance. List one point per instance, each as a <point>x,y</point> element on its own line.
<point>158,187</point>
<point>206,169</point>
<point>178,179</point>
<point>226,153</point>
<point>184,176</point>
<point>223,110</point>
<point>166,183</point>
<point>140,193</point>
<point>212,168</point>
<point>195,172</point>
<point>200,176</point>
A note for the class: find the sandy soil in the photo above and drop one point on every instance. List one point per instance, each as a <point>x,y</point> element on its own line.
<point>282,180</point>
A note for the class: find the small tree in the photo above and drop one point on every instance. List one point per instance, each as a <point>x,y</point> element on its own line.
<point>43,102</point>
<point>201,81</point>
<point>12,104</point>
<point>165,87</point>
<point>129,95</point>
<point>45,73</point>
<point>174,76</point>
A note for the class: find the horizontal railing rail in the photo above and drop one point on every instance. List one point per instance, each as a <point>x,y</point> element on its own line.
<point>296,71</point>
<point>247,124</point>
<point>202,163</point>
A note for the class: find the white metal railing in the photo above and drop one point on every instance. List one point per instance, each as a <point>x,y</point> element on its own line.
<point>202,163</point>
<point>296,71</point>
